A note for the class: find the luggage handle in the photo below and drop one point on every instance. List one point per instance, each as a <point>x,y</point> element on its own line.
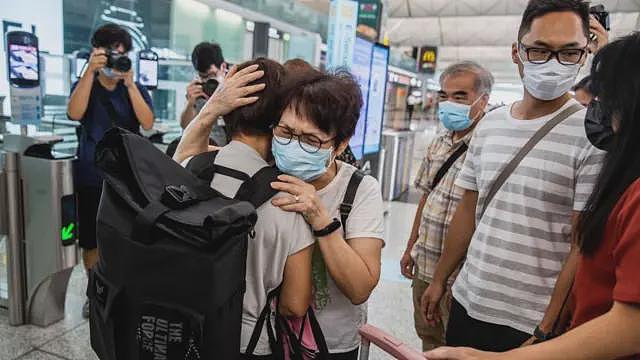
<point>386,342</point>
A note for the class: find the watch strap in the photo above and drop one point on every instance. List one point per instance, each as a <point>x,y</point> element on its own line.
<point>333,226</point>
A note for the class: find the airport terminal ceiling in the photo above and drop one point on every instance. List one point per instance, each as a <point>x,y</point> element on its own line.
<point>481,30</point>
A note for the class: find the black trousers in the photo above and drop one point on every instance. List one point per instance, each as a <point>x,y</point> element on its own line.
<point>88,201</point>
<point>464,330</point>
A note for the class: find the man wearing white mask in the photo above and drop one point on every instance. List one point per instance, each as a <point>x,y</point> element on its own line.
<point>463,97</point>
<point>527,175</point>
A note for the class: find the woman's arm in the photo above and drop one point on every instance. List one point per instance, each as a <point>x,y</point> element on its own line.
<point>354,265</point>
<point>231,96</point>
<point>610,336</point>
<point>295,294</point>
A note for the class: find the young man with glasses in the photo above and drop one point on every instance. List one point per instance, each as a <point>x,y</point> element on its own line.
<point>520,257</point>
<point>463,97</point>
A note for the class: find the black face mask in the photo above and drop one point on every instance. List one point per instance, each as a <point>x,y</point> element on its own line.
<point>597,124</point>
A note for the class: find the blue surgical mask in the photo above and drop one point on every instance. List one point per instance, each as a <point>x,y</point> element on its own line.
<point>293,160</point>
<point>454,116</point>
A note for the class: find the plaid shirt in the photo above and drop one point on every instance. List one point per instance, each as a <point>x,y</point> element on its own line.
<point>440,205</point>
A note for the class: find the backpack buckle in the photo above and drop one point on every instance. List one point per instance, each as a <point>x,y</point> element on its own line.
<point>177,197</point>
<point>345,209</point>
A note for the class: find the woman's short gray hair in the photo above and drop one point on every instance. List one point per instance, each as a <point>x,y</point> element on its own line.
<point>484,79</point>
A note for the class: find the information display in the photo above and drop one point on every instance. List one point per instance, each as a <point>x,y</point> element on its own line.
<point>81,64</point>
<point>375,102</point>
<point>148,69</point>
<point>361,69</point>
<point>23,62</point>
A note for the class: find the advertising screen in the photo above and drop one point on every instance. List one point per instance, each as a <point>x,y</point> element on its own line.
<point>148,72</point>
<point>361,69</point>
<point>375,103</point>
<point>23,62</point>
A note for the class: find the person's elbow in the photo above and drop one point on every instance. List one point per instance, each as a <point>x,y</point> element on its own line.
<point>147,124</point>
<point>295,307</point>
<point>361,294</point>
<point>74,115</point>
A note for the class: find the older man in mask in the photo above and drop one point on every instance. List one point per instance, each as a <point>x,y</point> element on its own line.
<point>463,97</point>
<point>517,236</point>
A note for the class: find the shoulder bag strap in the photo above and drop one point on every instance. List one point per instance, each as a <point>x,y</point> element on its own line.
<point>350,196</point>
<point>201,165</point>
<point>262,319</point>
<point>535,139</point>
<point>444,169</point>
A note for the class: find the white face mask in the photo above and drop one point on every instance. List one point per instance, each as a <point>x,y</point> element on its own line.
<point>550,80</point>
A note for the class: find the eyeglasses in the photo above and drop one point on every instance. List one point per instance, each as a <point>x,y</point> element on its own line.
<point>308,142</point>
<point>564,56</point>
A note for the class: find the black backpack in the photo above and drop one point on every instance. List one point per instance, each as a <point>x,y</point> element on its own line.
<point>170,280</point>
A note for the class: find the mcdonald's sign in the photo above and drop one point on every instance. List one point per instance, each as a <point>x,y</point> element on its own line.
<point>427,59</point>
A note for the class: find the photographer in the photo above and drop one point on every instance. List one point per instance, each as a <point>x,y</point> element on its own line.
<point>209,64</point>
<point>104,97</point>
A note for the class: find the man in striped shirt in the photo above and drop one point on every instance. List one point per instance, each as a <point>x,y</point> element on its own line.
<point>520,258</point>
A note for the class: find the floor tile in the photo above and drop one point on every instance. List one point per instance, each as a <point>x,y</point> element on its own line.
<point>39,355</point>
<point>73,345</point>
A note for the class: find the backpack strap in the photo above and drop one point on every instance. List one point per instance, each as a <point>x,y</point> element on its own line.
<point>350,196</point>
<point>203,166</point>
<point>257,190</point>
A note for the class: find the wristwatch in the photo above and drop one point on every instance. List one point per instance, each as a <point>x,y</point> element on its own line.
<point>541,335</point>
<point>333,226</point>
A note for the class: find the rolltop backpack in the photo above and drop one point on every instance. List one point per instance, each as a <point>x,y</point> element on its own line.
<point>170,279</point>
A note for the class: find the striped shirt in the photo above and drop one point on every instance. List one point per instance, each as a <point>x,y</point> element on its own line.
<point>520,244</point>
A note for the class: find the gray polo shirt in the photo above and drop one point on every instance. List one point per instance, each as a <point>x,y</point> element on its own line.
<point>278,235</point>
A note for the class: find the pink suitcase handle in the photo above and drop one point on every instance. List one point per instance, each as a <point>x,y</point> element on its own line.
<point>386,342</point>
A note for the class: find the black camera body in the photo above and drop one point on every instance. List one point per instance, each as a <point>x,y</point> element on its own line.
<point>117,61</point>
<point>209,86</point>
<point>602,15</point>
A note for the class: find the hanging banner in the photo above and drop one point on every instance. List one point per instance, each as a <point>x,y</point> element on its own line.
<point>427,59</point>
<point>341,35</point>
<point>369,19</point>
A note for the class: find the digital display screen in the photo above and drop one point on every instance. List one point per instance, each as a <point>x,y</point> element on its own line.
<point>80,66</point>
<point>23,62</point>
<point>361,69</point>
<point>148,72</point>
<point>69,227</point>
<point>377,92</point>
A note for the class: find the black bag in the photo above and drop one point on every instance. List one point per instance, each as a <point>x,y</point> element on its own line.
<point>170,280</point>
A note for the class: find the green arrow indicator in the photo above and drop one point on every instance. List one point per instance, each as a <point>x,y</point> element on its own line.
<point>67,232</point>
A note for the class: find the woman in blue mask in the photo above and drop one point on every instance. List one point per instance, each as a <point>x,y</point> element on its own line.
<point>320,116</point>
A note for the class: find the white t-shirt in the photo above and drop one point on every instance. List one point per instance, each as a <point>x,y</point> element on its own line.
<point>339,318</point>
<point>278,234</point>
<point>520,244</point>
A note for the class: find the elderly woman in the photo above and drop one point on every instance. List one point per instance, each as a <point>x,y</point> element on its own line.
<point>320,117</point>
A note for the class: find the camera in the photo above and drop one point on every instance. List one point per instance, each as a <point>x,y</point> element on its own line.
<point>117,61</point>
<point>602,15</point>
<point>209,86</point>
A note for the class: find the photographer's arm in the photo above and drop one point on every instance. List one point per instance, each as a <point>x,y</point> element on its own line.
<point>79,99</point>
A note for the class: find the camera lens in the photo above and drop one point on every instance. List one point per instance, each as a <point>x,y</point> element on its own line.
<point>119,61</point>
<point>210,86</point>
